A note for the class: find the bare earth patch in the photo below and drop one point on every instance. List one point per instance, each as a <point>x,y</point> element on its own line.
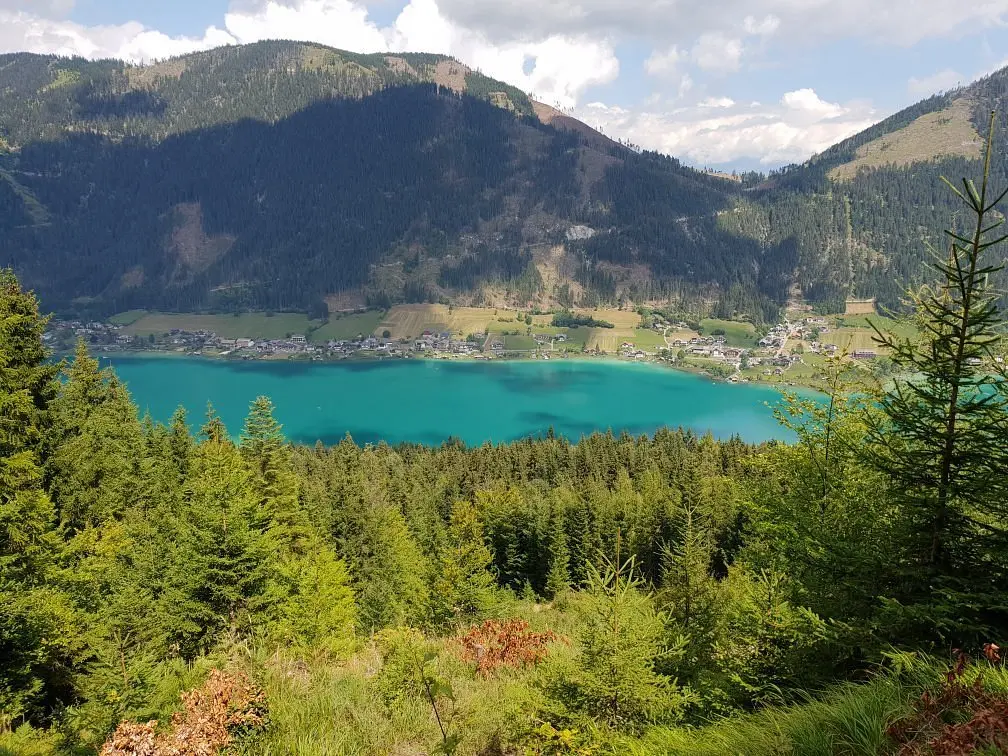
<point>948,133</point>
<point>346,301</point>
<point>451,74</point>
<point>401,65</point>
<point>147,76</point>
<point>190,243</point>
<point>133,278</point>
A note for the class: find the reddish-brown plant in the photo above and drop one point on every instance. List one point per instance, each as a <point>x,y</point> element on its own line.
<point>958,719</point>
<point>504,643</point>
<point>227,704</point>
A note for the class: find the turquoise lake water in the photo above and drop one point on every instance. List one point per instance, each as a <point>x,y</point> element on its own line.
<point>425,401</point>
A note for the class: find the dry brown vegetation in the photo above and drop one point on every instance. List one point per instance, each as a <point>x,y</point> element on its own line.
<point>211,716</point>
<point>451,74</point>
<point>409,321</point>
<point>860,307</point>
<point>945,133</point>
<point>504,643</point>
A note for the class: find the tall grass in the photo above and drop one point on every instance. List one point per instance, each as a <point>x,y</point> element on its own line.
<point>849,720</point>
<point>320,708</point>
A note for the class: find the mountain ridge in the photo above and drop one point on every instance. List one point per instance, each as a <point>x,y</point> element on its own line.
<point>410,177</point>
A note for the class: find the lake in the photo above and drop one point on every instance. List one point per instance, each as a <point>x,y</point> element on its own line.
<point>426,401</point>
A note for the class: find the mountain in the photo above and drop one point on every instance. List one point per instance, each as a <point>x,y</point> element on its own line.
<point>281,175</point>
<point>286,175</point>
<point>865,212</point>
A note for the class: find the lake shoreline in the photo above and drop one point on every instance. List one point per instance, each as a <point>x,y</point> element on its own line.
<point>226,357</point>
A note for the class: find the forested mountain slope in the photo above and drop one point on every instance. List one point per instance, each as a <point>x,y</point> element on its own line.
<point>286,175</point>
<point>276,175</point>
<point>864,212</point>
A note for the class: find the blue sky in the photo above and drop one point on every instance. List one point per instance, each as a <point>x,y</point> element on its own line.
<point>748,83</point>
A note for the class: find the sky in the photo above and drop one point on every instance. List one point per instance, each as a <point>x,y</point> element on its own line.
<point>727,84</point>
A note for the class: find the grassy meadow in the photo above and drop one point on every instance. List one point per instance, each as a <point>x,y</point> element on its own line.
<point>252,325</point>
<point>736,334</point>
<point>349,326</point>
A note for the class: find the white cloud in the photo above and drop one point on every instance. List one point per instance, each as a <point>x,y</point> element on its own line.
<point>664,63</point>
<point>763,28</point>
<point>685,85</point>
<point>716,102</point>
<point>564,64</point>
<point>717,53</point>
<point>667,22</point>
<point>808,101</point>
<point>47,8</point>
<point>790,131</point>
<point>338,23</point>
<point>938,82</point>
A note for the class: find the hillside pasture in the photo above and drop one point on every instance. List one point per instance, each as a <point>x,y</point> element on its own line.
<point>648,340</point>
<point>855,332</point>
<point>127,318</point>
<point>410,321</point>
<point>252,325</point>
<point>736,334</point>
<point>625,324</point>
<point>350,326</point>
<point>520,342</point>
<point>946,133</point>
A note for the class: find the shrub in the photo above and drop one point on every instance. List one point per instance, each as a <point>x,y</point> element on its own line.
<point>224,708</point>
<point>504,643</point>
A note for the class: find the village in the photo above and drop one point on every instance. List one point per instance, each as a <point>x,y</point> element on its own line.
<point>105,337</point>
<point>791,351</point>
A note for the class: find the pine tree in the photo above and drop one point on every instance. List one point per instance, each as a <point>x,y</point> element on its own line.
<point>621,639</point>
<point>558,576</point>
<point>941,435</point>
<point>264,448</point>
<point>96,465</point>
<point>318,613</point>
<point>464,588</point>
<point>37,633</point>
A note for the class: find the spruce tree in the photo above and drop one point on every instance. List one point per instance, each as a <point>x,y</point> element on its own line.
<point>621,640</point>
<point>558,575</point>
<point>265,450</point>
<point>221,577</point>
<point>464,588</point>
<point>96,466</point>
<point>941,434</point>
<point>37,633</point>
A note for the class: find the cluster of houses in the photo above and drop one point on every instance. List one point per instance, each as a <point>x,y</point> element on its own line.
<point>709,347</point>
<point>445,343</point>
<point>99,334</point>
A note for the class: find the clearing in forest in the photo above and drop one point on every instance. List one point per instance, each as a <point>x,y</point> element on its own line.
<point>947,133</point>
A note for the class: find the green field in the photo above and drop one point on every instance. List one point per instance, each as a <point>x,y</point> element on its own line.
<point>521,342</point>
<point>576,338</point>
<point>350,326</point>
<point>648,340</point>
<point>127,318</point>
<point>736,334</point>
<point>854,332</point>
<point>253,325</point>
